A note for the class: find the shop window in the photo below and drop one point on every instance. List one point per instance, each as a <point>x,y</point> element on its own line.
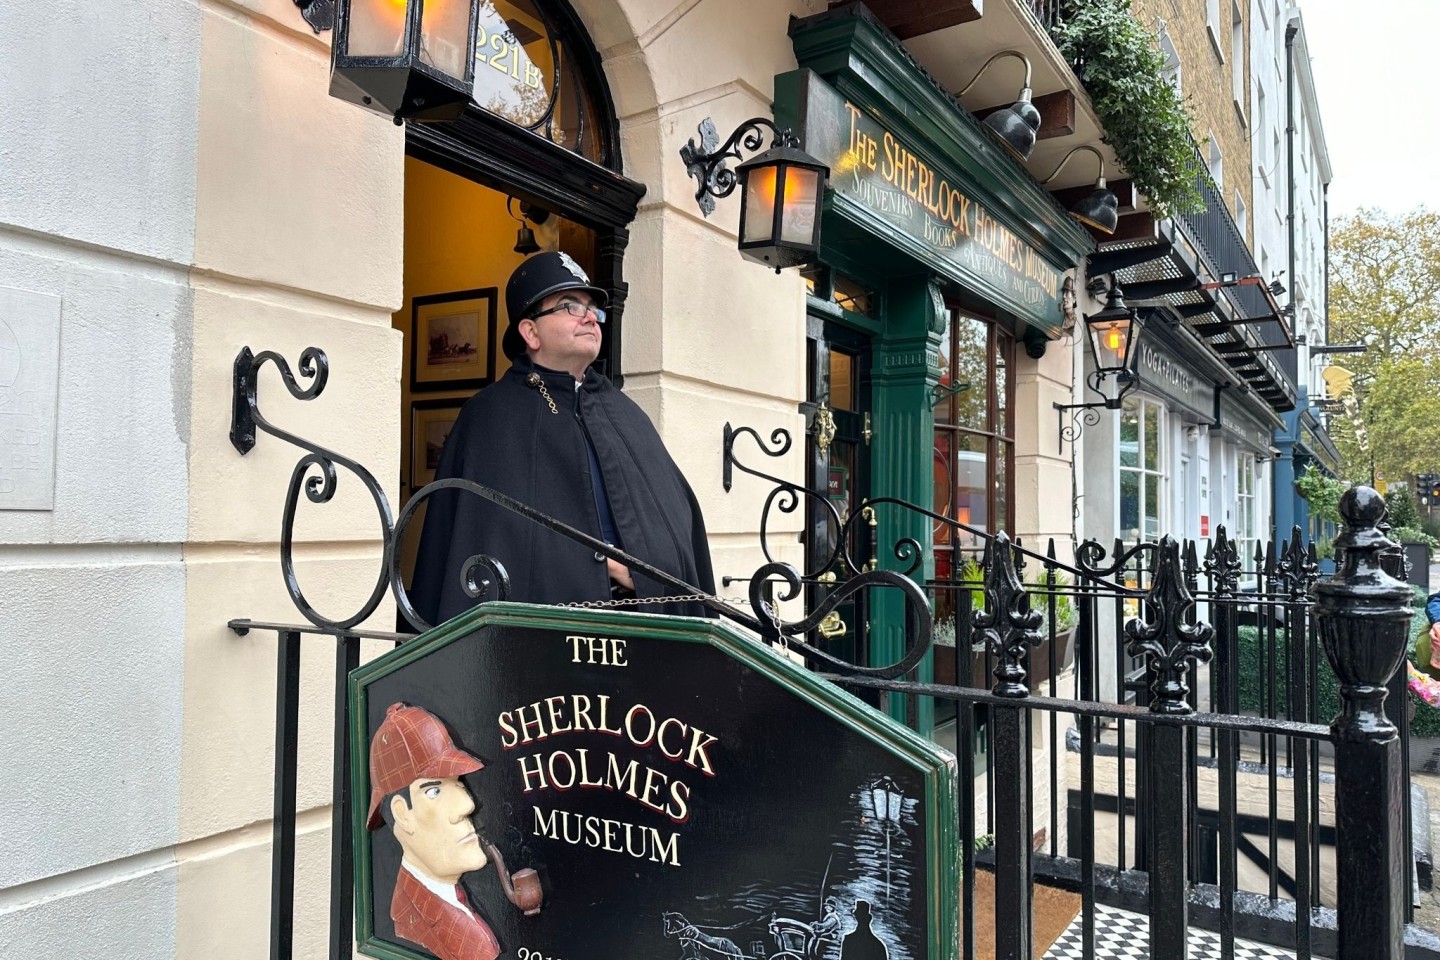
<point>1246,526</point>
<point>974,436</point>
<point>527,74</point>
<point>1141,456</point>
<point>844,292</point>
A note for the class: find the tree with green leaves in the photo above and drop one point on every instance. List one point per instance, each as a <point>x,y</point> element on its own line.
<point>1385,293</point>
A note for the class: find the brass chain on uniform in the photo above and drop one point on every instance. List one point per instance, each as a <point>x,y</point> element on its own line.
<point>535,381</point>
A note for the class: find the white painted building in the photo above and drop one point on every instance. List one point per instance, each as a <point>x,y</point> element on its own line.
<point>1270,88</point>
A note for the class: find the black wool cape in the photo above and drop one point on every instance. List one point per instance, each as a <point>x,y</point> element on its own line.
<point>507,438</point>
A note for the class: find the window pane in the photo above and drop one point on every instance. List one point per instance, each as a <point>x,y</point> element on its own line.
<point>1152,436</point>
<point>944,405</point>
<point>1129,505</point>
<point>944,485</point>
<point>1002,489</point>
<point>972,406</point>
<point>1130,435</point>
<point>972,482</point>
<point>1003,345</point>
<point>1152,507</point>
<point>842,380</point>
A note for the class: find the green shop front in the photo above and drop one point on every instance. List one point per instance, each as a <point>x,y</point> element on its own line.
<point>940,258</point>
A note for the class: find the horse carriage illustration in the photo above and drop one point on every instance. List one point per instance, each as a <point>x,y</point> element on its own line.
<point>793,940</point>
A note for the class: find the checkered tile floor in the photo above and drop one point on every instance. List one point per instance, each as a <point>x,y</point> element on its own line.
<point>1121,935</point>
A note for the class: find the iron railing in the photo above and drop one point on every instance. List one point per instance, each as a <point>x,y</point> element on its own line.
<point>1162,745</point>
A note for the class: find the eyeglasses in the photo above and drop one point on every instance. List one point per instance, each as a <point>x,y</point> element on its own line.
<point>576,309</point>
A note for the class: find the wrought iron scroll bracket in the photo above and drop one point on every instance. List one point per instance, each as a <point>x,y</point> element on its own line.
<point>1088,414</point>
<point>320,14</point>
<point>246,419</point>
<point>705,161</point>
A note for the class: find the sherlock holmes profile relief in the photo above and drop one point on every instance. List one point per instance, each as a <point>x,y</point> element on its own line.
<point>415,771</point>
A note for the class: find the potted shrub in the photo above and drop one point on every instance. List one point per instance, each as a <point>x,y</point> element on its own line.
<point>1067,618</point>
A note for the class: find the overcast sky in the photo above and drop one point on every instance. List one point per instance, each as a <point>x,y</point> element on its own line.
<point>1373,63</point>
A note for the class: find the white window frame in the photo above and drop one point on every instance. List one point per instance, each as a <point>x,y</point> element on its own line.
<point>1172,69</point>
<point>1145,406</point>
<point>1212,28</point>
<point>1237,61</point>
<point>1242,217</point>
<point>1216,162</point>
<point>1247,527</point>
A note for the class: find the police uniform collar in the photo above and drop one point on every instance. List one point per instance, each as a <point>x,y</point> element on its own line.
<point>524,366</point>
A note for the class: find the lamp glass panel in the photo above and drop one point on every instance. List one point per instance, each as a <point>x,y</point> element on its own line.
<point>802,201</point>
<point>376,28</point>
<point>760,185</point>
<point>1112,341</point>
<point>444,35</point>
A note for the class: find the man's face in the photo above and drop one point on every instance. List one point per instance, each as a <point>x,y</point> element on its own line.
<point>435,829</point>
<point>558,340</point>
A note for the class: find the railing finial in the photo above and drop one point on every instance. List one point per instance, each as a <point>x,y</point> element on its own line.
<point>1364,619</point>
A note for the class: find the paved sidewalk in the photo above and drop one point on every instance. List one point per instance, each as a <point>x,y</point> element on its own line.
<point>1122,935</point>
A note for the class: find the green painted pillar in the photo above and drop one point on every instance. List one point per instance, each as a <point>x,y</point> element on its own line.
<point>901,451</point>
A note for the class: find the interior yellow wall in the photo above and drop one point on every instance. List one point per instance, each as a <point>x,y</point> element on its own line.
<point>460,236</point>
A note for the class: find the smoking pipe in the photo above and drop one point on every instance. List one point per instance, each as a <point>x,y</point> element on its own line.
<point>521,889</point>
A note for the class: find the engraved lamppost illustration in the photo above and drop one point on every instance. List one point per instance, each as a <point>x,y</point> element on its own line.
<point>884,801</point>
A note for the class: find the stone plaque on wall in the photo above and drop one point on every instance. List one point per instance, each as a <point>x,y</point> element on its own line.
<point>29,391</point>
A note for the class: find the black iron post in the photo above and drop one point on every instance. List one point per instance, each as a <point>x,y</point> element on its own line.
<point>1363,615</point>
<point>342,853</point>
<point>1010,629</point>
<point>1171,639</point>
<point>282,847</point>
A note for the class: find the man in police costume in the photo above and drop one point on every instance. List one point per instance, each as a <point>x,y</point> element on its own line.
<point>556,435</point>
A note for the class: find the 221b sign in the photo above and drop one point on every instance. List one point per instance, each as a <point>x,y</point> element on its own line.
<point>556,784</point>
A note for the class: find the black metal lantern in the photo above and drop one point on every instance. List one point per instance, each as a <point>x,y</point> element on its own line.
<point>1114,333</point>
<point>1114,336</point>
<point>407,59</point>
<point>780,194</point>
<point>781,191</point>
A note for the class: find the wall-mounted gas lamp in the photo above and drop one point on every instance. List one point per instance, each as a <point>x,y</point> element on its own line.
<point>1016,125</point>
<point>1099,208</point>
<point>406,59</point>
<point>1114,335</point>
<point>780,190</point>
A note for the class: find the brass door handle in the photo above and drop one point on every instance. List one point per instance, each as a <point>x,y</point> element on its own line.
<point>824,427</point>
<point>832,626</point>
<point>866,431</point>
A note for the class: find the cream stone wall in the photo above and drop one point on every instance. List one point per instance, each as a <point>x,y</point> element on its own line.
<point>298,242</point>
<point>709,337</point>
<point>1042,483</point>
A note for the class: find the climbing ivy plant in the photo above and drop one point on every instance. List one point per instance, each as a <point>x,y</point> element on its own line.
<point>1147,122</point>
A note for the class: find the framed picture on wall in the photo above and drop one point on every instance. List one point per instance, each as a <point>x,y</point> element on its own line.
<point>452,340</point>
<point>430,423</point>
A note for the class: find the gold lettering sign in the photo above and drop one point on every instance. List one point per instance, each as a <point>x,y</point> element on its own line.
<point>955,232</point>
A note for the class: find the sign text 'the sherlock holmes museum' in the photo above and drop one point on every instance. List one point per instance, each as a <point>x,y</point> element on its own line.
<point>607,785</point>
<point>931,208</point>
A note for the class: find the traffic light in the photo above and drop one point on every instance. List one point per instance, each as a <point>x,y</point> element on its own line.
<point>1434,487</point>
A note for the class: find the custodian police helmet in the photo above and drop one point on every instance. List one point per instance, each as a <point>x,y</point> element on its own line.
<point>537,278</point>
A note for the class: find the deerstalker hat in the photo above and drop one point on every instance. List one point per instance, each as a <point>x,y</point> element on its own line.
<point>410,744</point>
<point>535,279</point>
